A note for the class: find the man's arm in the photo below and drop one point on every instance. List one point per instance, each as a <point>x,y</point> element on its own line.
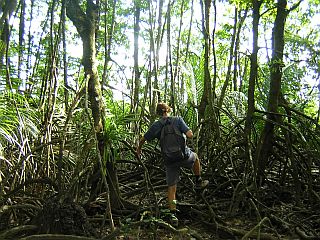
<point>184,128</point>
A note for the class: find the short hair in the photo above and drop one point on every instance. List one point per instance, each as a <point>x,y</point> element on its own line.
<point>162,108</point>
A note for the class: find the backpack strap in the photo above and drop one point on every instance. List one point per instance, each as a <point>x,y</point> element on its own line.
<point>163,121</point>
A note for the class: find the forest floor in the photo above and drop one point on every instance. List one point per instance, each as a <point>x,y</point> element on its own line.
<point>215,213</point>
<point>197,220</point>
<point>221,211</point>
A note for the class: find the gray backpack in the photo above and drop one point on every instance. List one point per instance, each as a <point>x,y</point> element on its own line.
<point>172,142</point>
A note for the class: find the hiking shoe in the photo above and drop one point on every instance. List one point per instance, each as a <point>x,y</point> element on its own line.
<point>173,220</point>
<point>170,217</point>
<point>202,184</point>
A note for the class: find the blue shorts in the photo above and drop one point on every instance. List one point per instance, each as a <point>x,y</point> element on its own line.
<point>173,170</point>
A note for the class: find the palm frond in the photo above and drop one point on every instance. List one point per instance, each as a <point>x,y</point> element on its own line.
<point>17,120</point>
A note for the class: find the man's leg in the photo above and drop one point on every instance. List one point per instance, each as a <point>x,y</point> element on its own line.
<point>172,177</point>
<point>172,205</point>
<point>172,197</point>
<point>196,166</point>
<point>197,172</point>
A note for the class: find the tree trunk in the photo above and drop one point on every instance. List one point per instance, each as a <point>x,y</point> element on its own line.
<point>170,65</point>
<point>7,10</point>
<point>181,90</point>
<point>109,26</point>
<point>214,55</point>
<point>231,59</point>
<point>65,64</point>
<point>205,8</point>
<point>86,26</point>
<point>252,81</point>
<point>21,35</point>
<point>29,84</point>
<point>267,135</point>
<point>136,85</point>
<point>236,50</point>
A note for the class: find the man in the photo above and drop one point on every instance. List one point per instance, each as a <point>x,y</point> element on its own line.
<point>172,166</point>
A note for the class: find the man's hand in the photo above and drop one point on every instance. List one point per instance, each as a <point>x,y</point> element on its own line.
<point>138,150</point>
<point>189,134</point>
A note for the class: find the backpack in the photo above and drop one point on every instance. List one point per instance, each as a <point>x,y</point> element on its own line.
<point>172,141</point>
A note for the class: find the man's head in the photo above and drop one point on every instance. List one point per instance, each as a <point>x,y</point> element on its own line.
<point>163,108</point>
